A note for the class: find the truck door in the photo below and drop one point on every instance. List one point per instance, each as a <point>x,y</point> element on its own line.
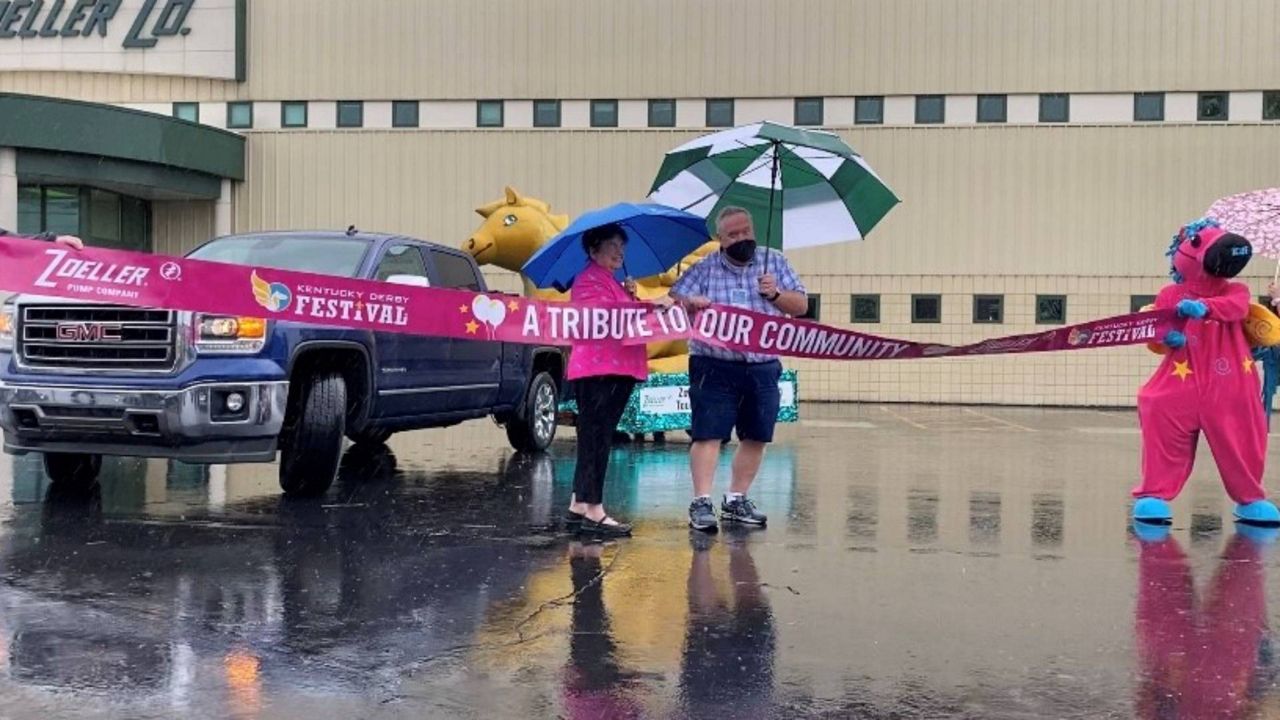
<point>473,366</point>
<point>407,367</point>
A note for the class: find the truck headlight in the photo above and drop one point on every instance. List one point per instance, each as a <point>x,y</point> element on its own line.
<point>8,321</point>
<point>230,334</point>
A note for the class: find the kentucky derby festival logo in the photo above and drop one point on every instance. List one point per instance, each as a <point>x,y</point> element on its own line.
<point>1079,336</point>
<point>272,296</point>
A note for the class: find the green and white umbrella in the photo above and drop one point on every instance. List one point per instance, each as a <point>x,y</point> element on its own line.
<point>802,187</point>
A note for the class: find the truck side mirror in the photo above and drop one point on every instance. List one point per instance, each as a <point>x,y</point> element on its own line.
<point>413,280</point>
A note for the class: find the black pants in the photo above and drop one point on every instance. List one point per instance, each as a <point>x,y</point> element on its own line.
<point>601,401</point>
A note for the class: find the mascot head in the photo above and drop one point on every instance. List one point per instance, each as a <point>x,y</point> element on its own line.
<point>1203,252</point>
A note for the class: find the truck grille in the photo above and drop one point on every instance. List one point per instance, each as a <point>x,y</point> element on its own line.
<point>104,337</point>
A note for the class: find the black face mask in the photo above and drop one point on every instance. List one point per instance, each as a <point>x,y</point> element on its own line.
<point>1228,256</point>
<point>741,252</point>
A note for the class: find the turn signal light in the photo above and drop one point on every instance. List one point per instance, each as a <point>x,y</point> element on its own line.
<point>244,328</point>
<point>230,334</point>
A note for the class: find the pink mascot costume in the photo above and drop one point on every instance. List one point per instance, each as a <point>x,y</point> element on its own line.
<point>1206,383</point>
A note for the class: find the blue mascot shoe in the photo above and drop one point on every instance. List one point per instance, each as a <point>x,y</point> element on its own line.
<point>1153,510</point>
<point>1261,512</point>
<point>1148,532</point>
<point>1258,534</point>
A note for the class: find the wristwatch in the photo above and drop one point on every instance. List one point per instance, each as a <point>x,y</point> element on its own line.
<point>776,294</point>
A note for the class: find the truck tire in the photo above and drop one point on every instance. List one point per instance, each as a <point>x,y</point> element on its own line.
<point>311,444</point>
<point>72,470</point>
<point>535,427</point>
<point>371,437</point>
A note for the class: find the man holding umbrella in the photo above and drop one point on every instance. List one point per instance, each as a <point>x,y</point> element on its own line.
<point>729,389</point>
<point>809,188</point>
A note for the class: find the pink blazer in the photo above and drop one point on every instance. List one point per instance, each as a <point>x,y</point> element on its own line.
<point>597,286</point>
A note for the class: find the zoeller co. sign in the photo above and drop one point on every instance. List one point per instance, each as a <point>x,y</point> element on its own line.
<point>197,38</point>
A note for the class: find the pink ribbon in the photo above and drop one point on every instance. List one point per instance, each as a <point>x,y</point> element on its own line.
<point>130,278</point>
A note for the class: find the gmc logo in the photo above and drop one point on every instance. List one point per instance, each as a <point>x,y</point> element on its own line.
<point>90,332</point>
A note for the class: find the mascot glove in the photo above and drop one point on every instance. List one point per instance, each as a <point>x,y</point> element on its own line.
<point>1175,339</point>
<point>1192,309</point>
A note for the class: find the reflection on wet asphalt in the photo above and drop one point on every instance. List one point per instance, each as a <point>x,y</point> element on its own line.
<point>919,563</point>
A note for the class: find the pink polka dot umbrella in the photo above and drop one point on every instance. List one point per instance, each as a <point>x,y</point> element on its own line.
<point>1254,215</point>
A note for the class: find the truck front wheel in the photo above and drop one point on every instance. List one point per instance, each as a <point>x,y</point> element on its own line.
<point>311,443</point>
<point>534,428</point>
<point>72,470</point>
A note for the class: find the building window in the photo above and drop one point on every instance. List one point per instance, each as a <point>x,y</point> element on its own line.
<point>350,114</point>
<point>404,113</point>
<point>546,113</point>
<point>293,114</point>
<point>604,113</point>
<point>1137,302</point>
<point>864,309</point>
<point>815,308</point>
<point>1055,108</point>
<point>239,115</point>
<point>62,211</point>
<point>720,113</point>
<point>926,308</point>
<point>809,111</point>
<point>993,108</point>
<point>868,110</point>
<point>1148,107</point>
<point>103,218</point>
<point>187,111</point>
<point>1051,309</point>
<point>662,113</point>
<point>1213,107</point>
<point>988,309</point>
<point>489,113</point>
<point>1271,105</point>
<point>931,109</point>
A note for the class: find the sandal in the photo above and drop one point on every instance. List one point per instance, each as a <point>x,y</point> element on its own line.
<point>603,528</point>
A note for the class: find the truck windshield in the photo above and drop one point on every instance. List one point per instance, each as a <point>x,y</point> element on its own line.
<point>322,255</point>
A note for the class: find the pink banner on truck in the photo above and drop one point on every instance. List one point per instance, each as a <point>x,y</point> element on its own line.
<point>129,278</point>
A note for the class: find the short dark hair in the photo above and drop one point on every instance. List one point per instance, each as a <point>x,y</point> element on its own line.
<point>596,236</point>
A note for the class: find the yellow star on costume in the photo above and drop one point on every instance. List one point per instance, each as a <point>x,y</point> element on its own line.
<point>462,309</point>
<point>472,327</point>
<point>513,306</point>
<point>1182,369</point>
<point>1248,364</point>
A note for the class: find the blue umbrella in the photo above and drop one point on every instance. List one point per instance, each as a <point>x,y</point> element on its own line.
<point>658,237</point>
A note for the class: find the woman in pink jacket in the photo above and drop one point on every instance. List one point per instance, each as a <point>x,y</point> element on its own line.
<point>604,374</point>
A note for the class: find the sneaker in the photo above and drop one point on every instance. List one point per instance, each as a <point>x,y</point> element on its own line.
<point>702,515</point>
<point>742,510</point>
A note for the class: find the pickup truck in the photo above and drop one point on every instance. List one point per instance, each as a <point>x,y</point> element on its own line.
<point>79,381</point>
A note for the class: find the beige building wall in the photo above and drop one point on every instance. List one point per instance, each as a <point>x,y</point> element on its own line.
<point>179,226</point>
<point>388,49</point>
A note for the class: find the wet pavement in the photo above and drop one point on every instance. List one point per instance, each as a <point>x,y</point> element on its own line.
<point>919,562</point>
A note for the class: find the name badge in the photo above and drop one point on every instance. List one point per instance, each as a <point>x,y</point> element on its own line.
<point>738,298</point>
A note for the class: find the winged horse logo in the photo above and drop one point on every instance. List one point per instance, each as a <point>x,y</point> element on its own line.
<point>272,296</point>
